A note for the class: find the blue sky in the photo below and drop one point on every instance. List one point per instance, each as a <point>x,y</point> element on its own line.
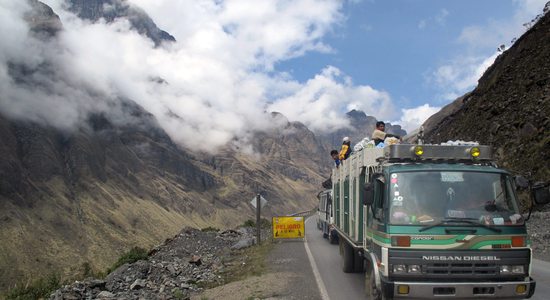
<point>236,61</point>
<point>398,46</point>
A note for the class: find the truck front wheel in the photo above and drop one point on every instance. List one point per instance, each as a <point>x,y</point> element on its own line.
<point>373,292</point>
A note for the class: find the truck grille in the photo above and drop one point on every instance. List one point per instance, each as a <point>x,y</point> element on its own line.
<point>458,265</point>
<point>460,269</point>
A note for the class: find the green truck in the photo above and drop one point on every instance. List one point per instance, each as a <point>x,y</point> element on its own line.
<point>433,221</point>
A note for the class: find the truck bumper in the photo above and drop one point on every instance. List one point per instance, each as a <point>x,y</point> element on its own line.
<point>459,290</point>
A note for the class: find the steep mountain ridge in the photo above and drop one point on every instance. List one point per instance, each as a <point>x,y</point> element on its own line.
<point>110,10</point>
<point>86,194</point>
<point>509,109</point>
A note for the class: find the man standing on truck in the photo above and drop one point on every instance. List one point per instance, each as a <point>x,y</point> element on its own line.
<point>346,149</point>
<point>379,134</point>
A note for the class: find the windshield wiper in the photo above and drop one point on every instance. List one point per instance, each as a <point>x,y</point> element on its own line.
<point>460,220</point>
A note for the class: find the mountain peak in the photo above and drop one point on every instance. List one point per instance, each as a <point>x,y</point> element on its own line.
<point>43,21</point>
<point>111,10</point>
<point>356,115</point>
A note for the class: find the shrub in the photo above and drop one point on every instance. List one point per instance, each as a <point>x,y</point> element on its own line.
<point>264,223</point>
<point>129,257</point>
<point>41,288</point>
<point>249,223</point>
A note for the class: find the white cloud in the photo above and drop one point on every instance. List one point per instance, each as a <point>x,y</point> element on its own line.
<point>497,32</point>
<point>529,8</point>
<point>218,75</point>
<point>422,24</point>
<point>461,74</point>
<point>412,118</point>
<point>252,33</point>
<point>319,103</point>
<point>440,18</point>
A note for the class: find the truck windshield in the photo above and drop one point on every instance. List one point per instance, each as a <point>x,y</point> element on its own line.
<point>424,198</point>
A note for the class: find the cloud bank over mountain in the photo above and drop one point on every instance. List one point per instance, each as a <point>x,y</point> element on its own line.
<point>213,86</point>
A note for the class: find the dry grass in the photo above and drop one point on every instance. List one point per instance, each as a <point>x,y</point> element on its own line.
<point>248,277</point>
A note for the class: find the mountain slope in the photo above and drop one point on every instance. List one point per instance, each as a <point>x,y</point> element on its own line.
<point>88,193</point>
<point>85,196</point>
<point>509,109</point>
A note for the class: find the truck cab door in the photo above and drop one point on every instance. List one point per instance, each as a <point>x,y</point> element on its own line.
<point>375,195</point>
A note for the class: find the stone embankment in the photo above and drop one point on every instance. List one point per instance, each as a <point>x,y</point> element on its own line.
<point>179,268</point>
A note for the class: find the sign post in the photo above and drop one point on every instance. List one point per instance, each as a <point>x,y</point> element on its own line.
<point>258,226</point>
<point>258,202</point>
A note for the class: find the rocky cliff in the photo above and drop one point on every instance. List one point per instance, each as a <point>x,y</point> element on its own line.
<point>509,109</point>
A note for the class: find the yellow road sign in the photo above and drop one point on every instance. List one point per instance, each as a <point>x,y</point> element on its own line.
<point>288,227</point>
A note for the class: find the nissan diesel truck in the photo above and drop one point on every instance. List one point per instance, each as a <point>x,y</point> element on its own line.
<point>433,221</point>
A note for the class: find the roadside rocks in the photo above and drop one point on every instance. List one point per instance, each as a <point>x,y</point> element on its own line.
<point>180,267</point>
<point>537,227</point>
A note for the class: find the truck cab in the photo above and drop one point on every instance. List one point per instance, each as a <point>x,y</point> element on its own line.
<point>437,222</point>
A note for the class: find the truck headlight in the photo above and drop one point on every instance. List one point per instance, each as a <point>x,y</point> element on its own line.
<point>505,269</point>
<point>413,269</point>
<point>399,269</point>
<point>518,269</point>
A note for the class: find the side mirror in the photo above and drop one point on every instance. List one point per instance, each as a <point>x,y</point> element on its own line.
<point>521,183</point>
<point>541,193</point>
<point>368,198</point>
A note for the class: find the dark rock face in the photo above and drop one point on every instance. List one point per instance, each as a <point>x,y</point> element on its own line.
<point>113,9</point>
<point>43,21</point>
<point>509,109</point>
<point>36,154</point>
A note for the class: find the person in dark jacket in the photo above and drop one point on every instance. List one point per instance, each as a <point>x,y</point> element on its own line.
<point>334,155</point>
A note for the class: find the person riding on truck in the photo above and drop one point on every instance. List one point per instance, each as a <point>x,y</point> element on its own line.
<point>334,155</point>
<point>346,149</point>
<point>379,134</point>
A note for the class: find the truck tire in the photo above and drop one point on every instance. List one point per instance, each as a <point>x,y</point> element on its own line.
<point>371,290</point>
<point>332,237</point>
<point>358,262</point>
<point>347,256</point>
